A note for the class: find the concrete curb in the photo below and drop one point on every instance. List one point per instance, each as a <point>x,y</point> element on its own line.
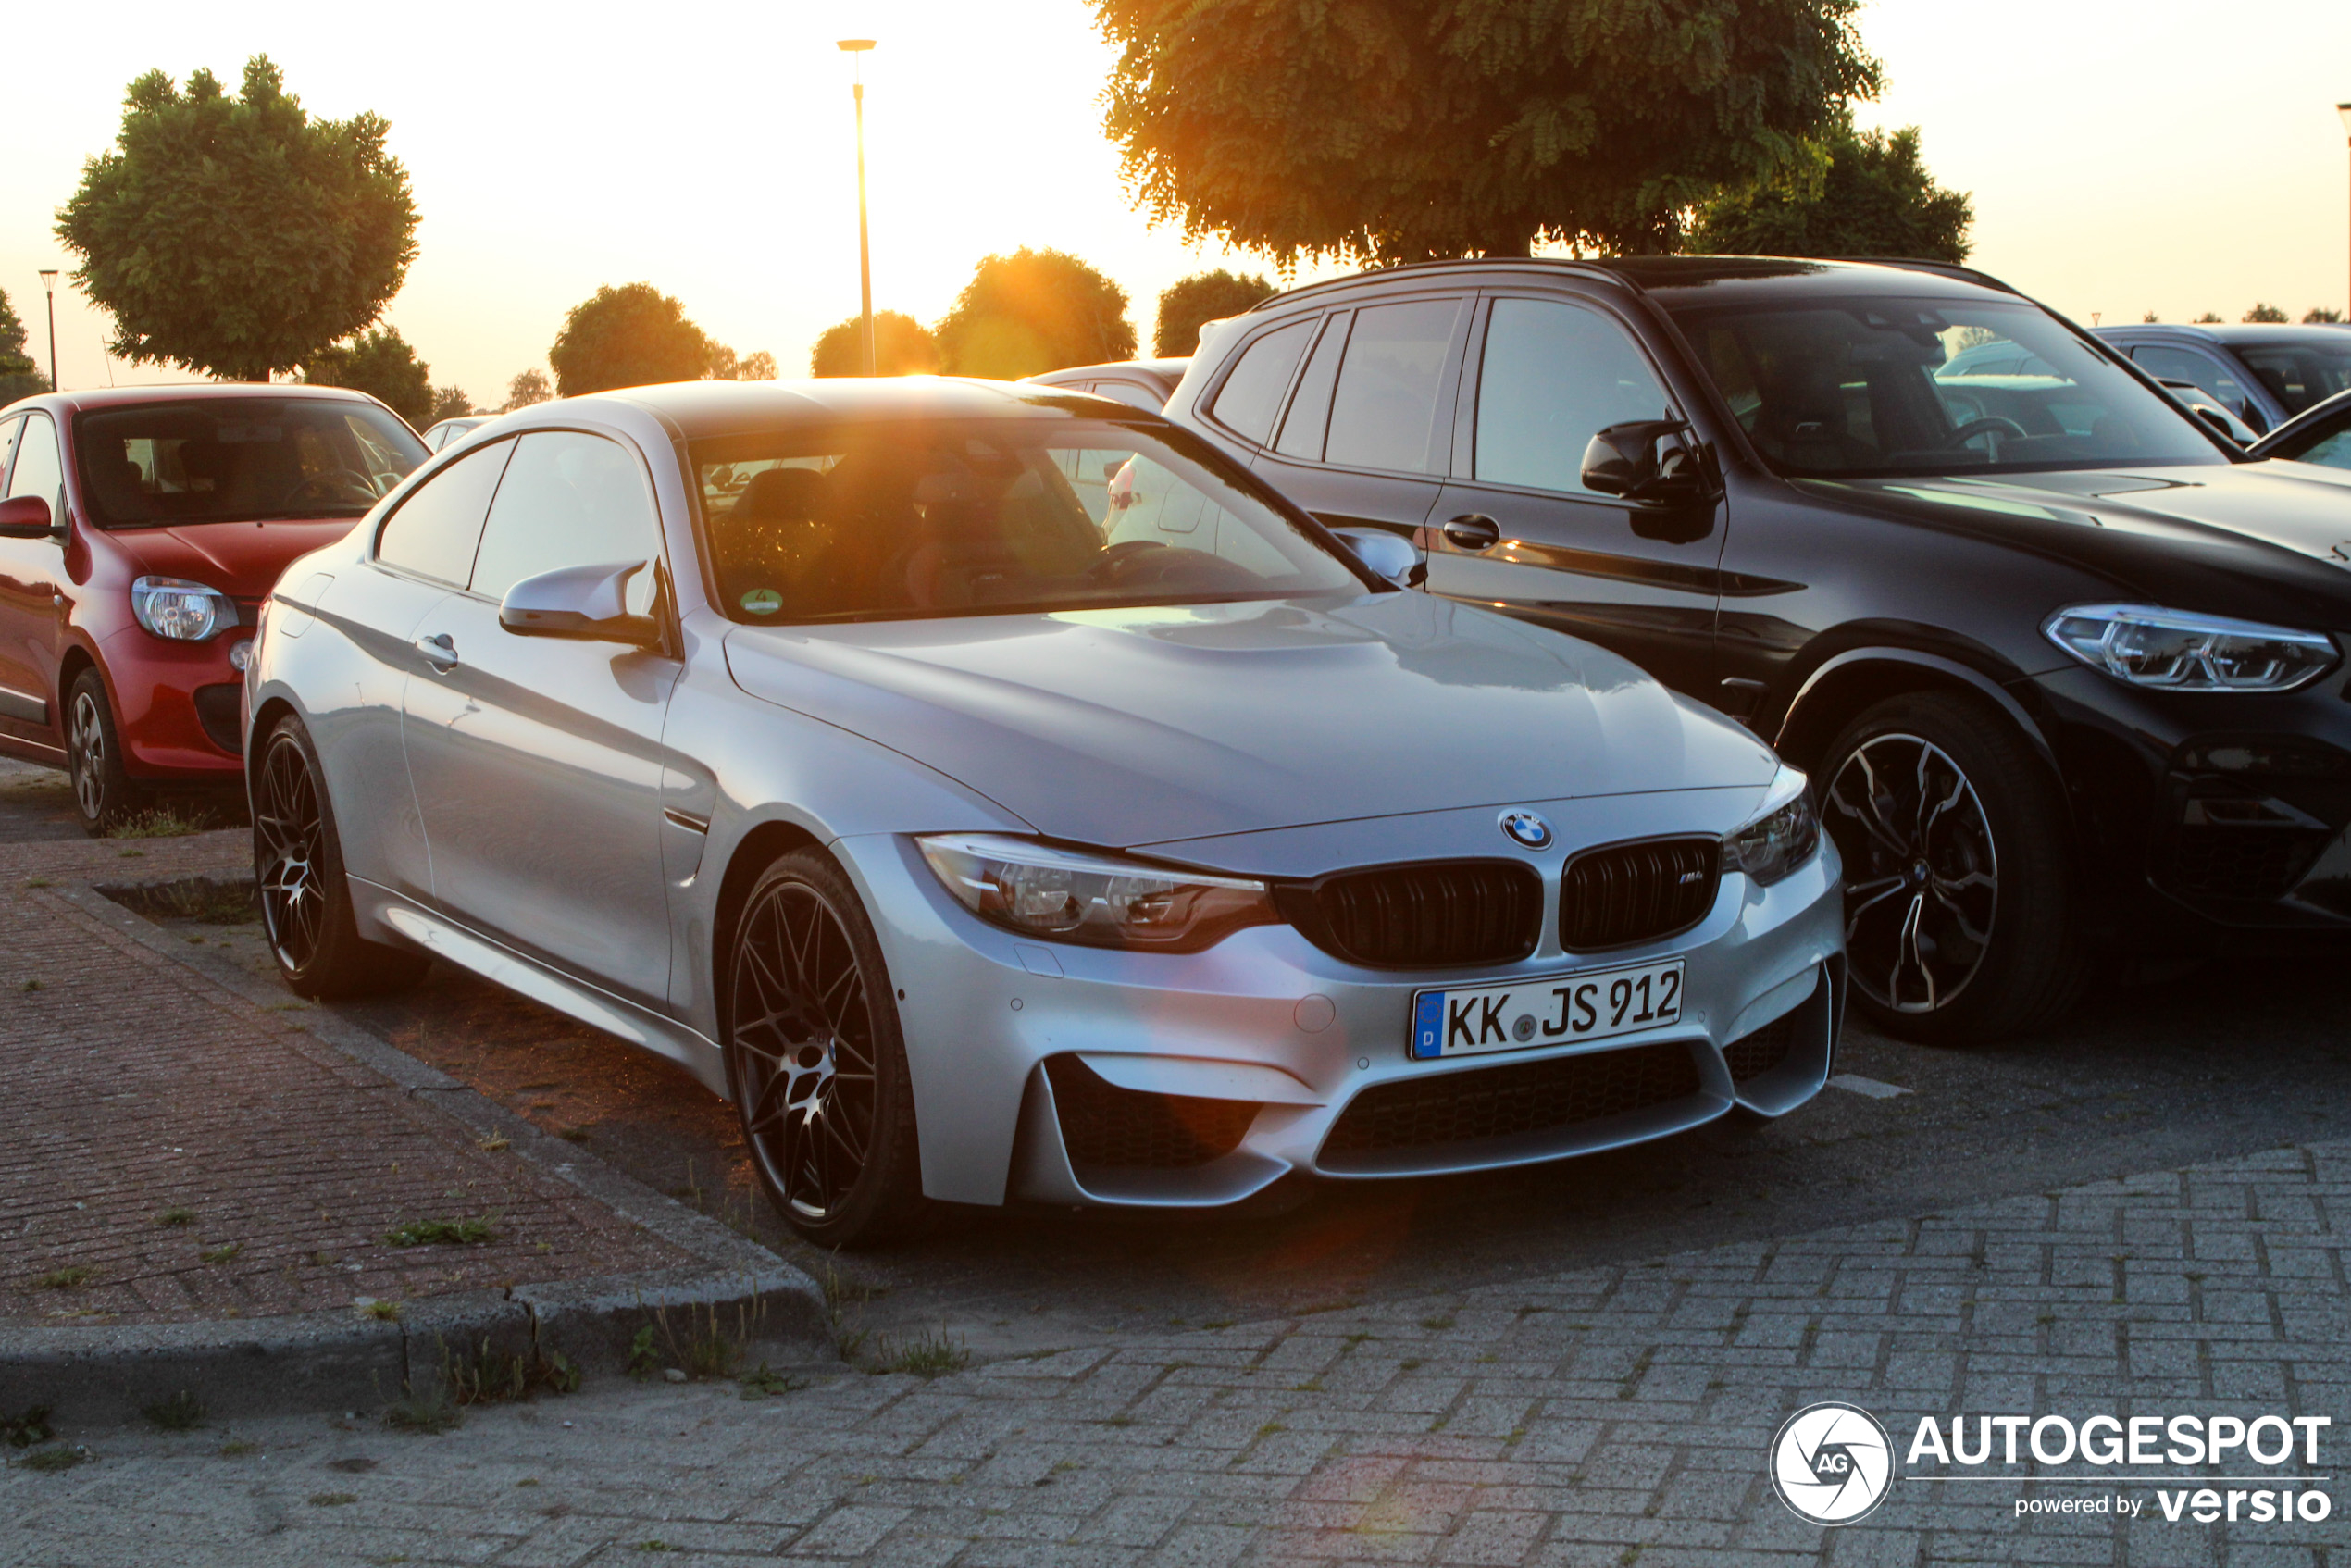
<point>341,1361</point>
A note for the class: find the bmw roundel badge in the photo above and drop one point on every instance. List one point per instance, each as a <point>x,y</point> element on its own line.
<point>1527,829</point>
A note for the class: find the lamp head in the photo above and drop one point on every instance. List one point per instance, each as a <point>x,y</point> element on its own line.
<point>49,279</point>
<point>2344,110</point>
<point>855,45</point>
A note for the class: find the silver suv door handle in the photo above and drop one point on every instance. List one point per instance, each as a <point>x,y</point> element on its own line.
<point>440,651</point>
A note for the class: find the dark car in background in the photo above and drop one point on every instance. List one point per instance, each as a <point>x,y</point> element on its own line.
<point>2265,374</point>
<point>1139,383</point>
<point>2321,436</point>
<point>2066,668</point>
<point>140,530</point>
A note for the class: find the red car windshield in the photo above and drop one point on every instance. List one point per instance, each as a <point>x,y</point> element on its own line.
<point>246,459</point>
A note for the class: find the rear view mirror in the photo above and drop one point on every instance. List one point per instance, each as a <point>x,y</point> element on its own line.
<point>590,603</point>
<point>1644,460</point>
<point>1391,555</point>
<point>25,516</point>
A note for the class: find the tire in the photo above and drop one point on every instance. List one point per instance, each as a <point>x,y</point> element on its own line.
<point>1958,880</point>
<point>104,795</point>
<point>816,1061</point>
<point>305,896</point>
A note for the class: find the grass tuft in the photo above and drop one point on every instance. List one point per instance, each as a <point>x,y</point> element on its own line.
<point>226,1252</point>
<point>486,1377</point>
<point>431,1413</point>
<point>443,1233</point>
<point>929,1354</point>
<point>70,1277</point>
<point>376,1307</point>
<point>51,1460</point>
<point>182,1412</point>
<point>163,822</point>
<point>176,1215</point>
<point>27,1427</point>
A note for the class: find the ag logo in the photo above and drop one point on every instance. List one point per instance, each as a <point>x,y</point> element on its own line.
<point>1527,829</point>
<point>1832,1463</point>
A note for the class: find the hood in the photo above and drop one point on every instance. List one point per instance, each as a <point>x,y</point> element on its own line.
<point>2258,539</point>
<point>1130,727</point>
<point>242,560</point>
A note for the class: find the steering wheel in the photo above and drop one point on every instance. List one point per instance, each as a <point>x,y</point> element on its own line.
<point>1977,427</point>
<point>1112,563</point>
<point>351,485</point>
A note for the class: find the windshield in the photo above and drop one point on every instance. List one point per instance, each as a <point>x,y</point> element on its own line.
<point>889,522</point>
<point>1878,386</point>
<point>2301,372</point>
<point>245,459</point>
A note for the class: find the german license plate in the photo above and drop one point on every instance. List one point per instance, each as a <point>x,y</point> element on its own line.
<point>1550,1010</point>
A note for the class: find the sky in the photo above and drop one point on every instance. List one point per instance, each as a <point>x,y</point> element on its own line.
<point>2160,155</point>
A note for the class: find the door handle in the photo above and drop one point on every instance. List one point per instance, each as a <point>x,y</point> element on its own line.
<point>440,651</point>
<point>1472,530</point>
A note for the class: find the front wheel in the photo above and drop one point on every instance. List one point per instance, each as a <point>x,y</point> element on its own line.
<point>105,796</point>
<point>306,898</point>
<point>815,1060</point>
<point>1959,888</point>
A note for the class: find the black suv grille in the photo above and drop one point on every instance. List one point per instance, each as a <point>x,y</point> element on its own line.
<point>1104,1127</point>
<point>1412,916</point>
<point>2242,863</point>
<point>1630,893</point>
<point>1527,1097</point>
<point>1754,1054</point>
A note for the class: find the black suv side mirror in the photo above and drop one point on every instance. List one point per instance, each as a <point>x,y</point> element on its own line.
<point>1645,460</point>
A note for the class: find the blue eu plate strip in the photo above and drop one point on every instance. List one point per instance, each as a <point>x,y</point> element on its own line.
<point>1428,1024</point>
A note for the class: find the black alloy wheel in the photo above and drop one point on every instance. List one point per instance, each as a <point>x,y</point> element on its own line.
<point>305,899</point>
<point>815,1060</point>
<point>103,794</point>
<point>1958,884</point>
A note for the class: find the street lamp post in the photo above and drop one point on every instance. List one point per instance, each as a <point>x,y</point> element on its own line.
<point>2344,110</point>
<point>855,47</point>
<point>49,287</point>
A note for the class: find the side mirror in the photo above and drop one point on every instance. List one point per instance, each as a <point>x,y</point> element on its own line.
<point>1645,460</point>
<point>1392,556</point>
<point>590,603</point>
<point>26,517</point>
<point>2237,433</point>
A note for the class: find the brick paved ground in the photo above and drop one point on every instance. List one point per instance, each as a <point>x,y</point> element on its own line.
<point>1604,1416</point>
<point>136,1093</point>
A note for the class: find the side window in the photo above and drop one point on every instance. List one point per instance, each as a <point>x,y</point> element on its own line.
<point>569,499</point>
<point>8,429</point>
<point>1384,411</point>
<point>1553,375</point>
<point>1130,393</point>
<point>37,470</point>
<point>437,529</point>
<point>1309,411</point>
<point>2170,364</point>
<point>1251,395</point>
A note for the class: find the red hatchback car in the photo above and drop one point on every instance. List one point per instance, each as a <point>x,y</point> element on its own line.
<point>139,529</point>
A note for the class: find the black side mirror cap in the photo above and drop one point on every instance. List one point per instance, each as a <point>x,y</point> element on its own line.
<point>588,604</point>
<point>1646,460</point>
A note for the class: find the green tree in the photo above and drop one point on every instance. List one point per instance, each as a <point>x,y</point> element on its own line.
<point>1188,304</point>
<point>2209,317</point>
<point>2267,313</point>
<point>379,363</point>
<point>527,388</point>
<point>633,336</point>
<point>1380,130</point>
<point>19,376</point>
<point>2319,314</point>
<point>238,236</point>
<point>1870,196</point>
<point>448,402</point>
<point>903,346</point>
<point>760,366</point>
<point>1032,311</point>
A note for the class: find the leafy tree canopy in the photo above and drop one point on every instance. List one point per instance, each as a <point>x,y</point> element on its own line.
<point>903,346</point>
<point>1032,311</point>
<point>238,236</point>
<point>2318,314</point>
<point>14,360</point>
<point>449,403</point>
<point>1386,130</point>
<point>381,363</point>
<point>633,336</point>
<point>2208,318</point>
<point>1872,196</point>
<point>2267,313</point>
<point>760,366</point>
<point>527,388</point>
<point>1188,304</point>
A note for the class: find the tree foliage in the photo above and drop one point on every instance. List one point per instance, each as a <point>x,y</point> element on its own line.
<point>1032,311</point>
<point>19,376</point>
<point>2261,312</point>
<point>448,402</point>
<point>1387,130</point>
<point>903,346</point>
<point>527,388</point>
<point>238,236</point>
<point>633,336</point>
<point>1188,304</point>
<point>379,363</point>
<point>2319,314</point>
<point>1872,196</point>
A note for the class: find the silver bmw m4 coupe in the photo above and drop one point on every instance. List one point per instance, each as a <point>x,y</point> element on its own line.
<point>998,794</point>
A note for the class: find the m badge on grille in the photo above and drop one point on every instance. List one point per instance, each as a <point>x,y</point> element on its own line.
<point>1527,829</point>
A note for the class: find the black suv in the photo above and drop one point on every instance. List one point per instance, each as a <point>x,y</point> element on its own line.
<point>2066,670</point>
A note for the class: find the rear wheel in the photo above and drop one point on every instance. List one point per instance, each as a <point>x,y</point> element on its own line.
<point>1959,889</point>
<point>815,1060</point>
<point>306,898</point>
<point>104,795</point>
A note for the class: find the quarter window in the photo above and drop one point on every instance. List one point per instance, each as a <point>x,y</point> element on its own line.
<point>1251,395</point>
<point>2185,365</point>
<point>569,499</point>
<point>1309,411</point>
<point>1384,412</point>
<point>437,529</point>
<point>1554,376</point>
<point>37,470</point>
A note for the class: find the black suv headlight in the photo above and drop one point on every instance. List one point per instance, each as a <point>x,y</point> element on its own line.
<point>2182,651</point>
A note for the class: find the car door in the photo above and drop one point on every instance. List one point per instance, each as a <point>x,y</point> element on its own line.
<point>1519,528</point>
<point>537,761</point>
<point>1368,434</point>
<point>32,576</point>
<point>2170,363</point>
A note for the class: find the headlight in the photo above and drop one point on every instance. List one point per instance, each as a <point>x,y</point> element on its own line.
<point>1067,896</point>
<point>1782,839</point>
<point>185,612</point>
<point>2181,651</point>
